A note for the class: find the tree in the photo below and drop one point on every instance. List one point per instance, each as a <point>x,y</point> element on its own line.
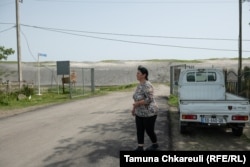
<point>246,83</point>
<point>4,53</point>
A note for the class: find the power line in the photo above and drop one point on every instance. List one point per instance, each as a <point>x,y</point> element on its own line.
<point>131,35</point>
<point>69,32</point>
<point>135,42</point>
<point>137,2</point>
<point>8,23</point>
<point>28,45</point>
<point>7,29</point>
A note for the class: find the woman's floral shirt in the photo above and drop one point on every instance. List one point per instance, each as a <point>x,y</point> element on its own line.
<point>145,92</point>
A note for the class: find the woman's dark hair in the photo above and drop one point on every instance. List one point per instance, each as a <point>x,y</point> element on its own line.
<point>143,70</point>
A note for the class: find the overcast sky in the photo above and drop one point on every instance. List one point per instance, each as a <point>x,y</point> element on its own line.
<point>95,30</point>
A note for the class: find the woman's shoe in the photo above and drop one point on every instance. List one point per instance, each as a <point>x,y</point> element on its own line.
<point>153,147</point>
<point>139,148</point>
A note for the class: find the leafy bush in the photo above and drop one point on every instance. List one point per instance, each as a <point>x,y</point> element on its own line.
<point>173,100</point>
<point>4,100</point>
<point>26,90</point>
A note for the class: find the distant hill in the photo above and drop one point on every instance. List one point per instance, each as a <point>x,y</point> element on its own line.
<point>109,72</point>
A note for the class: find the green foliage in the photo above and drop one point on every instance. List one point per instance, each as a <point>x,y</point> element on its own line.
<point>173,100</point>
<point>26,90</point>
<point>9,100</point>
<point>246,73</point>
<point>4,99</point>
<point>4,53</point>
<point>245,90</point>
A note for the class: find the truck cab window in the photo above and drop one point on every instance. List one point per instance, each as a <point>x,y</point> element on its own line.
<point>191,77</point>
<point>211,76</point>
<point>201,77</point>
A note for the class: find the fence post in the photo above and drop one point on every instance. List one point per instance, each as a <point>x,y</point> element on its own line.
<point>8,86</point>
<point>171,79</point>
<point>225,78</point>
<point>92,80</point>
<point>82,81</point>
<point>70,87</point>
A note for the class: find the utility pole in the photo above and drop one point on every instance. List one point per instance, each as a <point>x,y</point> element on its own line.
<point>20,77</point>
<point>240,47</point>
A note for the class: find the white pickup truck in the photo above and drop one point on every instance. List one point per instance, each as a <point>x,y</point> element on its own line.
<point>203,100</point>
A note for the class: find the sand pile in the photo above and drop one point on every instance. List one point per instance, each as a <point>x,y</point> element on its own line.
<point>106,73</point>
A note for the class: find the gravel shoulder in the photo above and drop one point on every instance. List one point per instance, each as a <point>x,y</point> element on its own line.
<point>13,112</point>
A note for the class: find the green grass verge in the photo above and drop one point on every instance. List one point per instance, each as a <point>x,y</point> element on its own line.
<point>9,101</point>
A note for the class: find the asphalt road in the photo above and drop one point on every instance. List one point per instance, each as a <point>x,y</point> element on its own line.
<point>88,132</point>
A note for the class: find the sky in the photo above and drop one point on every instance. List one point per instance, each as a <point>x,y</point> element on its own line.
<point>97,30</point>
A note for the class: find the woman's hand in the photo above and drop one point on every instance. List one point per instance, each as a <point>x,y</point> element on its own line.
<point>133,112</point>
<point>138,103</point>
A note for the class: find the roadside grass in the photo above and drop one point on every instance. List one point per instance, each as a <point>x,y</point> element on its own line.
<point>10,101</point>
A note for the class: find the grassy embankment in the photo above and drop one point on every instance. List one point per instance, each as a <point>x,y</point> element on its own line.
<point>9,101</point>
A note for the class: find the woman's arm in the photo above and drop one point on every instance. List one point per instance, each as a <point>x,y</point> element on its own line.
<point>149,94</point>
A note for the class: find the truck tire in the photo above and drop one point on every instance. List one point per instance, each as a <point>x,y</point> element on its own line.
<point>182,128</point>
<point>237,131</point>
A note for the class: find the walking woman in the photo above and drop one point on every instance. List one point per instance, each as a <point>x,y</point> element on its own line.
<point>145,110</point>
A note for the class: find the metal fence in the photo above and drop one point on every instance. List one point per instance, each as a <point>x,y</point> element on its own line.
<point>80,82</point>
<point>12,86</point>
<point>231,80</point>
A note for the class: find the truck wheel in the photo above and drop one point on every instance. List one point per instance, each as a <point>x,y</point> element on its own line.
<point>237,131</point>
<point>182,128</point>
